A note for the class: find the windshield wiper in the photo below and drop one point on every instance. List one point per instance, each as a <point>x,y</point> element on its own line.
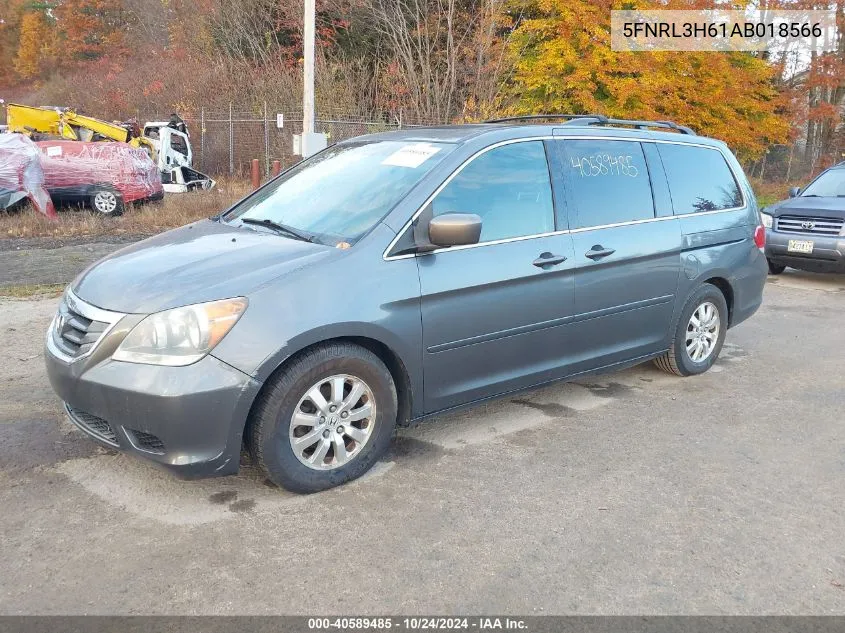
<point>279,228</point>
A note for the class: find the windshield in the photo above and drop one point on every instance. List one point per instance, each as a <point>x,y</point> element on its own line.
<point>341,193</point>
<point>829,185</point>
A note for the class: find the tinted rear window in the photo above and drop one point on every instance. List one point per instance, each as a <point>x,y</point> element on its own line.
<point>699,179</point>
<point>609,182</point>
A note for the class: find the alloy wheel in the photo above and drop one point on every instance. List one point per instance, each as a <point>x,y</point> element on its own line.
<point>105,202</point>
<point>332,422</point>
<point>703,332</point>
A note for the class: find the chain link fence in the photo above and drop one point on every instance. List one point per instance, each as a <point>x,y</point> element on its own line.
<point>225,142</point>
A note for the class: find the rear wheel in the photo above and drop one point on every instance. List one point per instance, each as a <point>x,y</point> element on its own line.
<point>325,419</point>
<point>699,334</point>
<point>106,201</point>
<point>775,269</point>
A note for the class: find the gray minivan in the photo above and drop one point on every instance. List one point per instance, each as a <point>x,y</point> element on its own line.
<point>399,275</point>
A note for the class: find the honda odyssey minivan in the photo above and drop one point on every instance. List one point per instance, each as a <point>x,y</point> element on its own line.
<point>399,275</point>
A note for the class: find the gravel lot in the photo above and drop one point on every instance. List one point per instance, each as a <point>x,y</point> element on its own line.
<point>633,492</point>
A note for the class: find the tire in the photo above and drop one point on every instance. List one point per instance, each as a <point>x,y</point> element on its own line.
<point>678,359</point>
<point>271,429</point>
<point>775,269</point>
<point>106,201</point>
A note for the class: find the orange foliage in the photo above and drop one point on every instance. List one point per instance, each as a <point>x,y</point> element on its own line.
<point>90,29</point>
<point>563,63</point>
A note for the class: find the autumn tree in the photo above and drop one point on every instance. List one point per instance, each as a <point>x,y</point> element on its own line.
<point>11,12</point>
<point>90,29</point>
<point>564,63</point>
<point>824,82</point>
<point>445,56</point>
<point>33,42</point>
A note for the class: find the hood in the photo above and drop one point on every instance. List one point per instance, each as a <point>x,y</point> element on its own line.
<point>807,206</point>
<point>199,262</point>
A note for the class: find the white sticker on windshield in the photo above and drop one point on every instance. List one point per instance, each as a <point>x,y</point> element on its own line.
<point>411,155</point>
<point>54,151</point>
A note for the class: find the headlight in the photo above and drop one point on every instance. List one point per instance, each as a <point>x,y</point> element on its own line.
<point>767,220</point>
<point>180,336</point>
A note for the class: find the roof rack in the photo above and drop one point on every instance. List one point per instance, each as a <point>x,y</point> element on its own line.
<point>596,119</point>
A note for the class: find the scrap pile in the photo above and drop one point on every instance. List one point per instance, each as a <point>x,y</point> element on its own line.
<point>69,157</point>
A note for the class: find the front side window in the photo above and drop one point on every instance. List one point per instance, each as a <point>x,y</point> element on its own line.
<point>831,184</point>
<point>699,179</point>
<point>341,193</point>
<point>508,186</point>
<point>179,144</point>
<point>609,182</point>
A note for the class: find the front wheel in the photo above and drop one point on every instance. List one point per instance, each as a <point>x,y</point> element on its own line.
<point>699,334</point>
<point>106,201</point>
<point>325,419</point>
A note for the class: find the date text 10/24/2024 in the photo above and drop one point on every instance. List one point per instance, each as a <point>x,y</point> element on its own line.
<point>418,623</point>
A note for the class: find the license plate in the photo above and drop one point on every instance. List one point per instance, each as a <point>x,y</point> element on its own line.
<point>800,246</point>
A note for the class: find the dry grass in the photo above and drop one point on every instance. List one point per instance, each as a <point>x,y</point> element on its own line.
<point>28,291</point>
<point>145,219</point>
<point>771,192</point>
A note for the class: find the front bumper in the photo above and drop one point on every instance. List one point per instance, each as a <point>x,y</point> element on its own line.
<point>828,252</point>
<point>189,419</point>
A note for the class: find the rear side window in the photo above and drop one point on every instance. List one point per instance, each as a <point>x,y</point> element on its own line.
<point>699,179</point>
<point>508,186</point>
<point>609,182</point>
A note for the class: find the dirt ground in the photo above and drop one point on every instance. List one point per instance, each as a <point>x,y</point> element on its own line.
<point>40,261</point>
<point>634,492</point>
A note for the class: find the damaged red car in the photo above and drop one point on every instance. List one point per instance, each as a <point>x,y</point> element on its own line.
<point>21,176</point>
<point>103,175</point>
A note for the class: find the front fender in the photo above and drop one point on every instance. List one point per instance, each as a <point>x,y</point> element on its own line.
<point>364,297</point>
<point>344,330</point>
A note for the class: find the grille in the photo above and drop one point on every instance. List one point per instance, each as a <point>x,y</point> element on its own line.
<point>93,425</point>
<point>75,335</point>
<point>147,442</point>
<point>78,327</point>
<point>809,225</point>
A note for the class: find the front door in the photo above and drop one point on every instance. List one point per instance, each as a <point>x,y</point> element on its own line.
<point>174,149</point>
<point>628,260</point>
<point>493,314</point>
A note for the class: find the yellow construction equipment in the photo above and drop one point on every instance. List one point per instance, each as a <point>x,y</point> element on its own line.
<point>65,123</point>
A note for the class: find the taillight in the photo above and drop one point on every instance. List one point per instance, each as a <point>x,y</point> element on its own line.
<point>760,237</point>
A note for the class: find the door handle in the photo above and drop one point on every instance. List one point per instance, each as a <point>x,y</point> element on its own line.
<point>548,259</point>
<point>598,251</point>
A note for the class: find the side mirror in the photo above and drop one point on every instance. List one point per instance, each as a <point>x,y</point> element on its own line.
<point>794,191</point>
<point>454,229</point>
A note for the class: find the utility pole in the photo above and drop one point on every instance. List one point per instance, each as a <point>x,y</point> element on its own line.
<point>308,68</point>
<point>311,142</point>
